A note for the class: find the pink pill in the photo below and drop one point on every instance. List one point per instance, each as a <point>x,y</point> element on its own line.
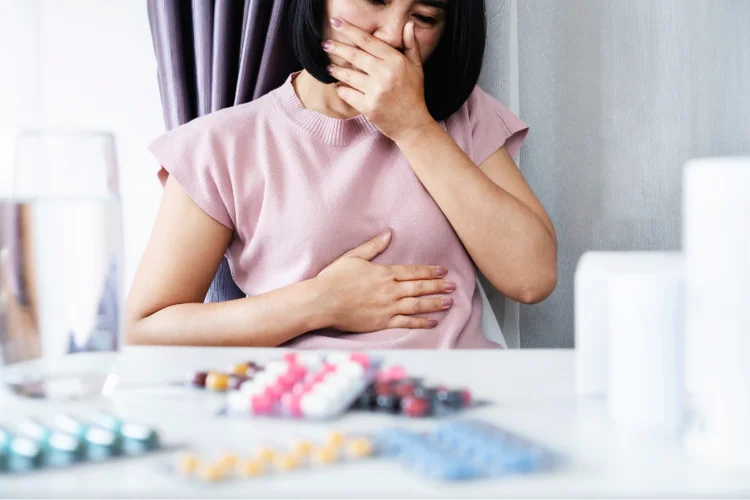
<point>315,378</point>
<point>395,373</point>
<point>287,381</point>
<point>292,405</point>
<point>301,388</point>
<point>328,368</point>
<point>298,371</point>
<point>466,397</point>
<point>261,404</point>
<point>274,392</point>
<point>290,357</point>
<point>361,358</point>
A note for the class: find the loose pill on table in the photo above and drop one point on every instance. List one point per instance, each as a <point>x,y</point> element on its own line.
<point>335,439</point>
<point>188,463</point>
<point>302,448</point>
<point>250,468</point>
<point>227,461</point>
<point>286,462</point>
<point>325,455</point>
<point>266,454</point>
<point>211,473</point>
<point>359,447</point>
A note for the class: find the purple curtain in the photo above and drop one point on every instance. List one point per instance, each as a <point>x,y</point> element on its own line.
<point>213,54</point>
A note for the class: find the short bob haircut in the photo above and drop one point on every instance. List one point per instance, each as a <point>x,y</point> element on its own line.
<point>451,72</point>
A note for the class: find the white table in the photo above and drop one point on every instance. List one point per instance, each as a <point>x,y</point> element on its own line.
<point>532,393</point>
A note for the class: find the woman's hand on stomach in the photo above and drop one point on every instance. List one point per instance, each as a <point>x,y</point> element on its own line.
<point>363,297</point>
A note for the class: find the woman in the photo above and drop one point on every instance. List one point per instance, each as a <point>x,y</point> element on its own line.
<point>353,202</point>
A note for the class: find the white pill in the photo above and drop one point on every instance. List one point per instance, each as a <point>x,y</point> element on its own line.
<point>277,367</point>
<point>309,357</point>
<point>338,357</point>
<point>313,405</point>
<point>239,402</point>
<point>252,388</point>
<point>351,369</point>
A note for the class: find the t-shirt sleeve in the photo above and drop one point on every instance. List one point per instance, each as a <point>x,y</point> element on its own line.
<point>492,127</point>
<point>194,156</point>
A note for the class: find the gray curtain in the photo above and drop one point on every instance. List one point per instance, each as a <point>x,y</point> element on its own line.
<point>619,95</point>
<point>213,54</point>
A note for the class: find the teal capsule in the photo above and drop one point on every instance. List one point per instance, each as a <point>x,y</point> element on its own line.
<point>101,443</point>
<point>108,420</point>
<point>72,426</point>
<point>35,430</point>
<point>5,438</point>
<point>138,438</point>
<point>63,449</point>
<point>24,454</point>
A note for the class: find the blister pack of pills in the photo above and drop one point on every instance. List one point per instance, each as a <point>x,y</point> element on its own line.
<point>463,450</point>
<point>266,460</point>
<point>34,444</point>
<point>305,385</point>
<point>395,392</point>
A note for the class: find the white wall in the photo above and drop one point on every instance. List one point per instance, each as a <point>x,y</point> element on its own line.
<point>86,64</point>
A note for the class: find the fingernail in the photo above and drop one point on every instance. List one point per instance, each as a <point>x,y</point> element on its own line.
<point>336,22</point>
<point>447,302</point>
<point>326,45</point>
<point>450,286</point>
<point>441,271</point>
<point>386,234</point>
<point>432,323</point>
<point>329,68</point>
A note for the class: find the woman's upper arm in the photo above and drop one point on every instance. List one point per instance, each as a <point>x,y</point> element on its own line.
<point>183,253</point>
<point>502,170</point>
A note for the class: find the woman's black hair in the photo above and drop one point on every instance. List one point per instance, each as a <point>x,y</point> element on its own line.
<point>451,72</point>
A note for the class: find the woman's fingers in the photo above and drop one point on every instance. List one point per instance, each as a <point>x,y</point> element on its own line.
<point>415,305</point>
<point>355,56</point>
<point>425,287</point>
<point>411,322</point>
<point>417,272</point>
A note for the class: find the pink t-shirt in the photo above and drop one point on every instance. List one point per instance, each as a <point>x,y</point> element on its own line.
<point>299,189</point>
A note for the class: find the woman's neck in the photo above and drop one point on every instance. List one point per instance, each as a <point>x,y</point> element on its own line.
<point>321,97</point>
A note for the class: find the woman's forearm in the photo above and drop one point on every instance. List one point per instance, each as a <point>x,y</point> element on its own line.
<point>266,320</point>
<point>507,241</point>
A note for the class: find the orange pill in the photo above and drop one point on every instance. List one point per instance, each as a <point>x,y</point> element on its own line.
<point>217,381</point>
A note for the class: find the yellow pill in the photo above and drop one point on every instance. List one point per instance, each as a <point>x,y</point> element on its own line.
<point>302,448</point>
<point>227,461</point>
<point>217,381</point>
<point>211,473</point>
<point>188,463</point>
<point>250,468</point>
<point>240,369</point>
<point>326,455</point>
<point>287,462</point>
<point>335,439</point>
<point>266,454</point>
<point>360,447</point>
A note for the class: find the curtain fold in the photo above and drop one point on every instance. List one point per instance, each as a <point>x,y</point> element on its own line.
<point>214,54</point>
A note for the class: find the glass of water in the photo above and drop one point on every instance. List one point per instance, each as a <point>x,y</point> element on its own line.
<point>60,266</point>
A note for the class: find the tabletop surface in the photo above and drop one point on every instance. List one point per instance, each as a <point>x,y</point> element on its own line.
<point>532,393</point>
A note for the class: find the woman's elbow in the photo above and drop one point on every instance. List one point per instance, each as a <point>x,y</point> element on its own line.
<point>537,290</point>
